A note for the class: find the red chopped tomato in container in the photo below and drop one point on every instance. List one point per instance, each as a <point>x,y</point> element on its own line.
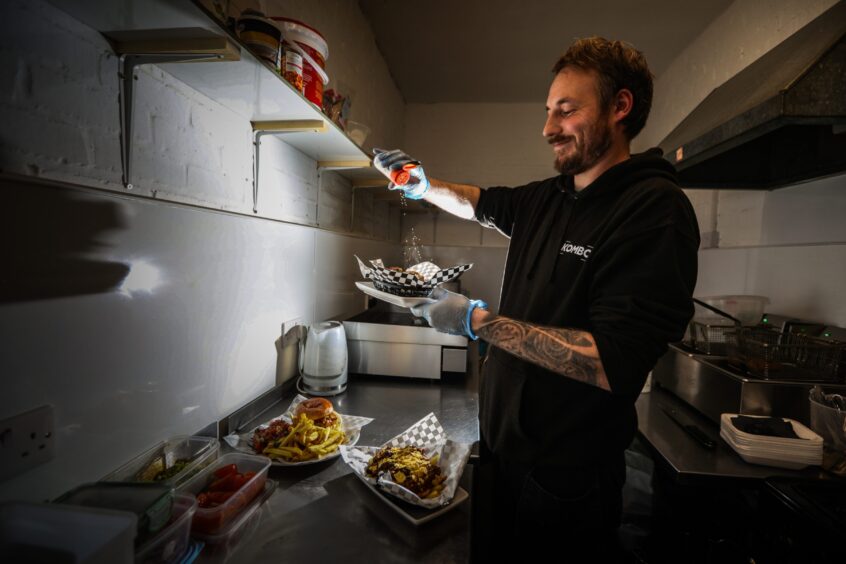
<point>225,488</point>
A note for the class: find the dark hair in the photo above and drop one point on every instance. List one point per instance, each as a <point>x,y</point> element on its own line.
<point>618,65</point>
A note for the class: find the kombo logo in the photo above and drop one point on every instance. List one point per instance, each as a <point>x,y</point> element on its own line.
<point>581,251</point>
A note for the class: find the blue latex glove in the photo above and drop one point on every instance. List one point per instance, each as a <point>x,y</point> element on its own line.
<point>449,313</point>
<point>393,161</point>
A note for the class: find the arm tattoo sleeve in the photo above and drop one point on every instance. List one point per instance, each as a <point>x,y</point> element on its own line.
<point>570,352</point>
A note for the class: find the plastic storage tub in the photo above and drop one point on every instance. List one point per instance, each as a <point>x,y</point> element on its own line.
<point>747,309</point>
<point>212,520</point>
<point>198,452</point>
<point>171,543</point>
<point>830,424</point>
<point>50,532</point>
<point>220,546</point>
<point>314,50</point>
<point>150,503</point>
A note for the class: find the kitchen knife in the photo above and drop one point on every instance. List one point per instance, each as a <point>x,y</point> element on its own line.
<point>690,428</point>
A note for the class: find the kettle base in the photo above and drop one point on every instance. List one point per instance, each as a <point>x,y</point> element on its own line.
<point>312,390</point>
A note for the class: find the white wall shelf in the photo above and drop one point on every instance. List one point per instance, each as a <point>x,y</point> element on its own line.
<point>248,86</point>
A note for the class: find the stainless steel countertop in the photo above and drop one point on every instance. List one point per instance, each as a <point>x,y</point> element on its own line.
<point>687,460</point>
<point>323,513</point>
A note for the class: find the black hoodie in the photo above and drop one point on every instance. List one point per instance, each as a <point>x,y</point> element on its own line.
<point>617,259</point>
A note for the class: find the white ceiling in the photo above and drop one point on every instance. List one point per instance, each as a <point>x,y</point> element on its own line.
<point>503,50</point>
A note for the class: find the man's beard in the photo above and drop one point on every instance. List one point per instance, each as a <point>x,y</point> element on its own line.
<point>587,153</point>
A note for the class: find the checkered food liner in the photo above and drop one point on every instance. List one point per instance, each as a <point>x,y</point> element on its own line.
<point>428,435</point>
<point>432,274</point>
<point>244,441</point>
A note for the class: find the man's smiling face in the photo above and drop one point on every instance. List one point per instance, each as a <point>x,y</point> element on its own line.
<point>577,127</point>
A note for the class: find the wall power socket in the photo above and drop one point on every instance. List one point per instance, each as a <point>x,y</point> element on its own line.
<point>26,440</point>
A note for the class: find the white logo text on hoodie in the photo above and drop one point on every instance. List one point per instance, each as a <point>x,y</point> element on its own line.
<point>581,251</point>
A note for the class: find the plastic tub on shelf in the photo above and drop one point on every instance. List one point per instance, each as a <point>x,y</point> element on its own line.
<point>212,520</point>
<point>312,46</point>
<point>198,452</point>
<point>171,543</point>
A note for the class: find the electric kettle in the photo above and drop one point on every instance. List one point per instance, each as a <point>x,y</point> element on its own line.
<point>323,359</point>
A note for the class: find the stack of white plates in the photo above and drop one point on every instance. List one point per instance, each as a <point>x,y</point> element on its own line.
<point>774,451</point>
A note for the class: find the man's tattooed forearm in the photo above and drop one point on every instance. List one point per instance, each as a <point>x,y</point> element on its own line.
<point>570,352</point>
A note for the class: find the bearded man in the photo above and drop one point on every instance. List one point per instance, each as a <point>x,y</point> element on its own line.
<point>601,268</point>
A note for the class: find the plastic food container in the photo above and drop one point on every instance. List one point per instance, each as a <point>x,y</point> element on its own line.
<point>830,424</point>
<point>212,520</point>
<point>150,503</point>
<point>171,543</point>
<point>220,545</point>
<point>314,50</point>
<point>747,309</point>
<point>197,452</point>
<point>358,132</point>
<point>261,36</point>
<point>50,532</point>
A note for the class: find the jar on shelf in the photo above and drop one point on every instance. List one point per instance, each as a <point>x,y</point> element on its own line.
<point>261,36</point>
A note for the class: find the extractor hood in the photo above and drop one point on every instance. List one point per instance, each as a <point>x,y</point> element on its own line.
<point>780,121</point>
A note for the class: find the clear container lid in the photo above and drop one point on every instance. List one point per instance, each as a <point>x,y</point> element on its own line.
<point>173,461</point>
<point>747,309</point>
<point>150,503</point>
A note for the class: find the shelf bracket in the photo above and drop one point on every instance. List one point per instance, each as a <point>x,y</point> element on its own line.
<point>127,80</point>
<point>290,126</point>
<point>342,165</point>
<point>278,127</point>
<point>159,46</point>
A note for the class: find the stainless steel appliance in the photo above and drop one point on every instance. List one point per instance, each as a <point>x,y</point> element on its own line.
<point>713,386</point>
<point>722,384</point>
<point>389,341</point>
<point>776,123</point>
<point>323,359</point>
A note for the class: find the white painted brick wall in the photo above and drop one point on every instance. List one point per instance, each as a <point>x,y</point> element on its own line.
<point>364,213</point>
<point>287,182</point>
<point>204,340</point>
<point>450,230</point>
<point>335,202</point>
<point>187,147</point>
<point>59,97</point>
<point>482,144</point>
<point>418,228</point>
<point>739,217</point>
<point>811,213</point>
